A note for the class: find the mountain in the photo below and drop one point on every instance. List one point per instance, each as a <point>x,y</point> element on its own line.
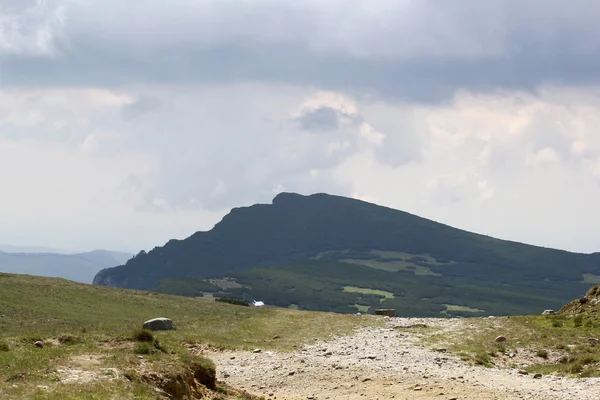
<point>7,248</point>
<point>105,258</point>
<point>79,267</point>
<point>341,254</point>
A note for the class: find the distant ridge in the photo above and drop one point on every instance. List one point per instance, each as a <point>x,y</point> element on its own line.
<point>79,267</point>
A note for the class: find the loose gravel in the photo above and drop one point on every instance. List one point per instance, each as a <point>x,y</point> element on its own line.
<point>386,363</point>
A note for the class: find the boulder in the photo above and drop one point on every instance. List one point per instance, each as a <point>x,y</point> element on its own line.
<point>549,312</point>
<point>500,339</point>
<point>159,324</point>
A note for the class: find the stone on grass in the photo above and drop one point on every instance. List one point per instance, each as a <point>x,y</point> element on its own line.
<point>159,324</point>
<point>500,339</point>
<point>39,344</point>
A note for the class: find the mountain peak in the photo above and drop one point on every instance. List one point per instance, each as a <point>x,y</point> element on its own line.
<point>287,196</point>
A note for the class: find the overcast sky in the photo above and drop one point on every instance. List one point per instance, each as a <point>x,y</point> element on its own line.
<point>124,124</point>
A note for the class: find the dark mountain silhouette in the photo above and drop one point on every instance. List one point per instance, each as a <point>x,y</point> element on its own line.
<point>298,229</point>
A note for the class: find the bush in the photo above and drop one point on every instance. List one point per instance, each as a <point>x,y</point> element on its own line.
<point>142,348</point>
<point>578,321</point>
<point>232,301</point>
<point>589,324</point>
<point>159,346</point>
<point>143,335</point>
<point>4,346</point>
<point>542,353</point>
<point>482,358</point>
<point>68,339</point>
<point>557,324</point>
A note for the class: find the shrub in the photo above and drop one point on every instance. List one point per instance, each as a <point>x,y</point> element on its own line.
<point>557,324</point>
<point>159,346</point>
<point>482,358</point>
<point>589,324</point>
<point>232,301</point>
<point>68,339</point>
<point>142,348</point>
<point>4,346</point>
<point>143,335</point>
<point>542,353</point>
<point>575,368</point>
<point>563,360</point>
<point>578,321</point>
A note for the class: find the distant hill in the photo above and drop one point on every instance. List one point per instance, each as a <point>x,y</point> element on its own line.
<point>105,258</point>
<point>334,253</point>
<point>7,248</point>
<point>81,267</point>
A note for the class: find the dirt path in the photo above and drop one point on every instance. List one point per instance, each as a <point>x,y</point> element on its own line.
<point>386,363</point>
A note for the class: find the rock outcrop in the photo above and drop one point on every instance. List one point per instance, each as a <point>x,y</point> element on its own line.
<point>588,305</point>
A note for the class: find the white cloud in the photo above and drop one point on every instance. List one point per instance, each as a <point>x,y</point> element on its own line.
<point>31,27</point>
<point>200,150</point>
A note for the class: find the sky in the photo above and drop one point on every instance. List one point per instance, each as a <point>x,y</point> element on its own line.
<point>126,124</point>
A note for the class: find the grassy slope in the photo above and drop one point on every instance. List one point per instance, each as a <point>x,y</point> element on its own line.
<point>319,285</point>
<point>34,307</point>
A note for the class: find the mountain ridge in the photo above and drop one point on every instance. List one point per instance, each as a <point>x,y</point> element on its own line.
<point>297,229</point>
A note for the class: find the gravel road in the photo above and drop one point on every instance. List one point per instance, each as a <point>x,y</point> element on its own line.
<point>386,363</point>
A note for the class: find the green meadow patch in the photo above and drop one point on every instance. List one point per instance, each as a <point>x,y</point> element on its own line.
<point>385,295</point>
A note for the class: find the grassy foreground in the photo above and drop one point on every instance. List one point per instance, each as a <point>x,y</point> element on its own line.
<point>89,337</point>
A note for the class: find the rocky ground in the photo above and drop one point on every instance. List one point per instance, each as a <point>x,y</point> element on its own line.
<point>386,363</point>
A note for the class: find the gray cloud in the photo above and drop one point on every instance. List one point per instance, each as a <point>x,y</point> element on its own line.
<point>320,119</point>
<point>421,50</point>
<point>139,107</point>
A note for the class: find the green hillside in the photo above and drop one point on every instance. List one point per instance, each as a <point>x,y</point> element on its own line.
<point>81,322</point>
<point>435,269</point>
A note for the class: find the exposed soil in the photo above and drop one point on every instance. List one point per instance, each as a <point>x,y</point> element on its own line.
<point>386,363</point>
